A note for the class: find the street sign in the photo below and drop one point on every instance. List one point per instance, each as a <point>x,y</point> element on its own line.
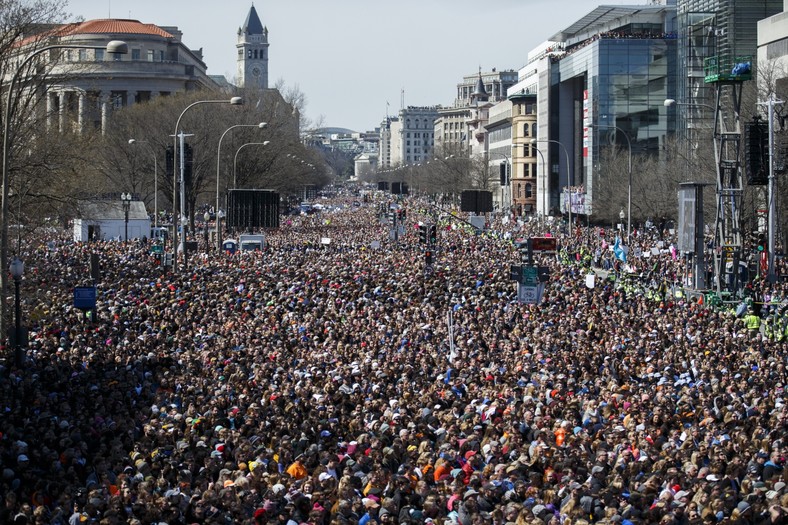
<point>530,275</point>
<point>527,294</point>
<point>85,297</point>
<point>157,248</point>
<point>544,244</point>
<point>530,294</point>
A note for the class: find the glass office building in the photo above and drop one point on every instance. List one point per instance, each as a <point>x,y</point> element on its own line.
<point>609,91</point>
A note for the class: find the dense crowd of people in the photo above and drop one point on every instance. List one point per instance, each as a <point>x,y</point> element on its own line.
<point>333,379</point>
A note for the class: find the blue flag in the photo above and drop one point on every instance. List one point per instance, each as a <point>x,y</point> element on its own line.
<point>619,251</point>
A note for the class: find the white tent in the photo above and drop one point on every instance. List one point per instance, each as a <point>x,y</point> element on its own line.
<point>106,220</point>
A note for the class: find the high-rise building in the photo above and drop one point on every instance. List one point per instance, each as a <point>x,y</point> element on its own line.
<point>252,52</point>
<point>604,88</point>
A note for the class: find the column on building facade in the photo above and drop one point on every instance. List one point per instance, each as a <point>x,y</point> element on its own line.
<point>104,102</point>
<point>62,110</point>
<point>50,98</point>
<point>81,109</point>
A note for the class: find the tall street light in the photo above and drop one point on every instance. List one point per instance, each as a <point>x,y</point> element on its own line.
<point>235,160</point>
<point>235,101</point>
<point>125,199</point>
<point>17,268</point>
<point>569,179</point>
<point>155,181</point>
<point>544,182</point>
<point>690,145</point>
<point>218,156</point>
<point>116,47</point>
<point>629,171</point>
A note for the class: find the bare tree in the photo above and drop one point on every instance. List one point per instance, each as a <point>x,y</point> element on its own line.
<point>20,21</point>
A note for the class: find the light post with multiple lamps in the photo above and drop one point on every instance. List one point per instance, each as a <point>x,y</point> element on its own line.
<point>176,217</point>
<point>125,199</point>
<point>629,171</point>
<point>114,47</point>
<point>261,125</point>
<point>235,160</point>
<point>17,269</point>
<point>155,181</point>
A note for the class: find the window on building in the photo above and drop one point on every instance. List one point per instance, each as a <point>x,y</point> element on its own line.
<point>528,191</point>
<point>135,54</point>
<point>83,55</point>
<point>99,55</point>
<point>533,130</point>
<point>526,130</point>
<point>150,55</point>
<point>249,54</point>
<point>519,191</point>
<point>161,56</point>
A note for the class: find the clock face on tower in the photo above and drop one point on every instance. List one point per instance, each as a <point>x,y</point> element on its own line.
<point>256,72</point>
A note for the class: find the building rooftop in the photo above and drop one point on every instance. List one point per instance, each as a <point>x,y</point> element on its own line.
<point>113,26</point>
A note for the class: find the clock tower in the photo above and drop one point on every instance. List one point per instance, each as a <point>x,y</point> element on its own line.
<point>252,52</point>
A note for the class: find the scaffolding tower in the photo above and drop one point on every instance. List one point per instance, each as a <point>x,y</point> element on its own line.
<point>729,75</point>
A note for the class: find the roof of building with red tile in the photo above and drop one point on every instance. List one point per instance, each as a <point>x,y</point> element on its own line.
<point>114,26</point>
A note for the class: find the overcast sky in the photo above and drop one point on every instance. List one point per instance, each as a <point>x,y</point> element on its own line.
<point>350,57</point>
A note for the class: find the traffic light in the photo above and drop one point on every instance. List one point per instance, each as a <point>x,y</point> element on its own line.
<point>188,165</point>
<point>433,236</point>
<point>169,162</point>
<point>402,215</point>
<point>423,233</point>
<point>761,243</point>
<point>428,257</point>
<point>502,168</point>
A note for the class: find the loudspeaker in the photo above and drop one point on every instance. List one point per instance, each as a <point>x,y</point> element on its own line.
<point>756,153</point>
<point>476,201</point>
<point>250,209</point>
<point>399,188</point>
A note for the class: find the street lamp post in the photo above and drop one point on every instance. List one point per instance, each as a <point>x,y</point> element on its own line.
<point>629,171</point>
<point>235,160</point>
<point>218,156</point>
<point>544,182</point>
<point>117,47</point>
<point>691,142</point>
<point>176,217</point>
<point>125,199</point>
<point>155,181</point>
<point>17,268</point>
<point>569,179</point>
